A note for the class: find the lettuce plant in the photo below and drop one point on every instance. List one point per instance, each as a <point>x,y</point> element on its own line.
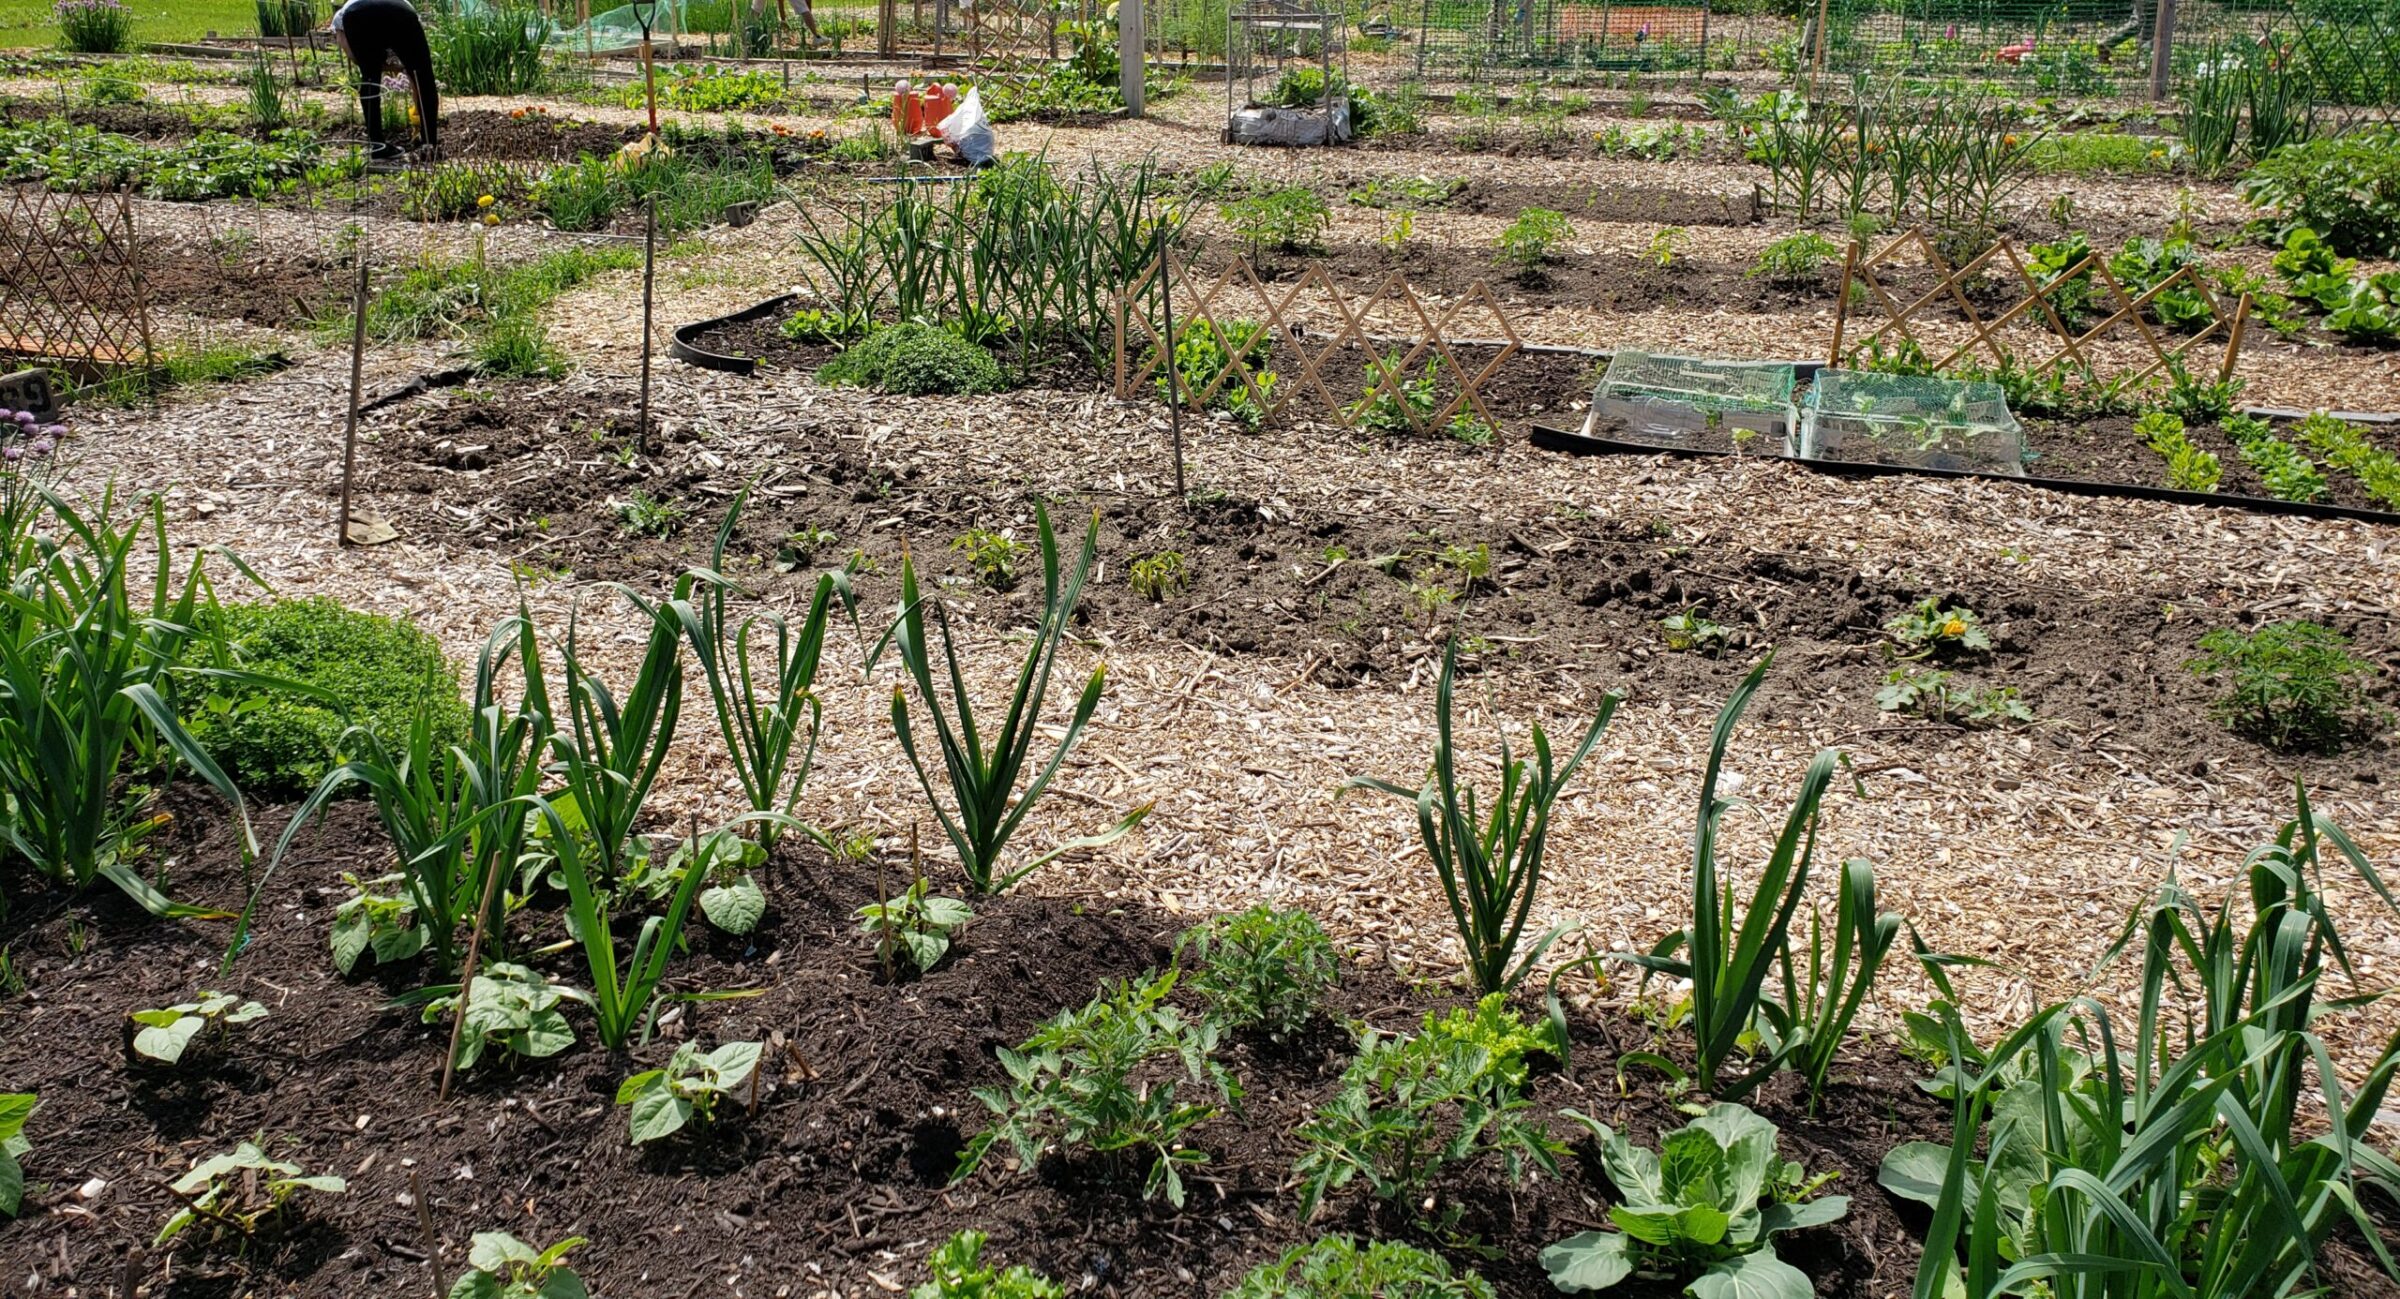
<point>959,1272</point>
<point>500,1266</point>
<point>663,1100</point>
<point>1337,1267</point>
<point>163,1035</point>
<point>239,1193</point>
<point>1706,1206</point>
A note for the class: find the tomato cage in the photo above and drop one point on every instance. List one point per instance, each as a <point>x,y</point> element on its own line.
<point>1287,72</point>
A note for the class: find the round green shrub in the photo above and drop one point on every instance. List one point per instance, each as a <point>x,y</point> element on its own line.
<point>278,744</point>
<point>916,360</point>
<point>2344,187</point>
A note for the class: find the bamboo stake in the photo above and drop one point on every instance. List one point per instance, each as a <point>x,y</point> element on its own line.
<point>433,1243</point>
<point>358,352</point>
<point>466,984</point>
<point>1841,309</point>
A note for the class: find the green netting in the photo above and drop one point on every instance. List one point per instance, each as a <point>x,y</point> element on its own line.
<point>621,27</point>
<point>1690,400</point>
<point>1913,421</point>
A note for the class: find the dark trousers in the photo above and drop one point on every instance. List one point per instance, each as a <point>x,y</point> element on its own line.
<point>378,31</point>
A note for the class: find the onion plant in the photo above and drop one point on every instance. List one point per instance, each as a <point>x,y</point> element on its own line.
<point>1491,867</point>
<point>983,777</point>
<point>1823,990</point>
<point>763,721</point>
<point>2177,1161</point>
<point>622,996</point>
<point>609,753</point>
<point>88,677</point>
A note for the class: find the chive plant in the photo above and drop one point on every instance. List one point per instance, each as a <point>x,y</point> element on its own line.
<point>983,777</point>
<point>1491,867</point>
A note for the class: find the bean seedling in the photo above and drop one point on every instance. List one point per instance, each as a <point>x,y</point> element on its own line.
<point>690,1086</point>
<point>239,1193</point>
<point>164,1035</point>
<point>500,1266</point>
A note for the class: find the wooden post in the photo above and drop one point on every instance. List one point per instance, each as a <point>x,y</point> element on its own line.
<point>641,432</point>
<point>358,352</point>
<point>2162,50</point>
<point>1166,308</point>
<point>1841,310</point>
<point>1817,61</point>
<point>1129,54</point>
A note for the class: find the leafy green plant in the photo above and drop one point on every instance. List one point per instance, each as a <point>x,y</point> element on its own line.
<point>1261,968</point>
<point>1291,220</point>
<point>286,18</point>
<point>646,516</point>
<point>164,1035</point>
<point>1074,1084</point>
<point>1688,632</point>
<point>688,1088</point>
<point>500,1266</point>
<point>2189,468</point>
<point>2370,313</point>
<point>983,777</point>
<point>1931,694</point>
<point>1205,368</point>
<point>369,920</point>
<point>2200,401</point>
<point>1491,868</point>
<point>1411,1107</point>
<point>1931,629</point>
<point>2288,474</point>
<point>729,898</point>
<point>239,1193</point>
<point>491,49</point>
<point>1665,244</point>
<point>992,556</point>
<point>518,346</point>
<point>959,1272</point>
<point>1338,1267</point>
<point>366,670</point>
<point>2345,448</point>
<point>2345,187</point>
<point>94,26</point>
<point>1393,403</point>
<point>914,924</point>
<point>263,95</point>
<point>1530,241</point>
<point>2289,685</point>
<point>1155,577</point>
<point>1794,258</point>
<point>15,1109</point>
<point>509,1007</point>
<point>915,360</point>
<point>1705,1208</point>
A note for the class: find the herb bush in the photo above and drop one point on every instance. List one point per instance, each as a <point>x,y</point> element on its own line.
<point>2289,685</point>
<point>95,26</point>
<point>915,360</point>
<point>1338,1267</point>
<point>2345,187</point>
<point>372,670</point>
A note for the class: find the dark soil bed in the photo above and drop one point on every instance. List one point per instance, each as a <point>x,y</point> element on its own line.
<point>836,1181</point>
<point>2109,451</point>
<point>242,284</point>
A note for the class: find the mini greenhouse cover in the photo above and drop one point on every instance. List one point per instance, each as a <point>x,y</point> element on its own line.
<point>1911,421</point>
<point>1676,400</point>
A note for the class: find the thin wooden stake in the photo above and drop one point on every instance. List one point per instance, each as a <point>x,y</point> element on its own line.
<point>358,353</point>
<point>1841,309</point>
<point>1166,307</point>
<point>466,984</point>
<point>433,1243</point>
<point>649,279</point>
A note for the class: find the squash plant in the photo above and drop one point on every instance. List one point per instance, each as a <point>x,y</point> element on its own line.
<point>1694,1210</point>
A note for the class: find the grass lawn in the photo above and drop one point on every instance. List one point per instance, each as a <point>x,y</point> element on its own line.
<point>27,23</point>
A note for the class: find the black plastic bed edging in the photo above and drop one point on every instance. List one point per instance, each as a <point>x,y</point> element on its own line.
<point>1554,439</point>
<point>684,349</point>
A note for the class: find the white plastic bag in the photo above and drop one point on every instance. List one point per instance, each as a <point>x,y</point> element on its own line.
<point>967,130</point>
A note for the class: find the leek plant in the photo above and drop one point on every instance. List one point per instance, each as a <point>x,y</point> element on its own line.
<point>2176,1161</point>
<point>455,814</point>
<point>983,777</point>
<point>88,676</point>
<point>1491,868</point>
<point>762,721</point>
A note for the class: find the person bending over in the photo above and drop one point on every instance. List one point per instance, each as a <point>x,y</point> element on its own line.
<point>375,33</point>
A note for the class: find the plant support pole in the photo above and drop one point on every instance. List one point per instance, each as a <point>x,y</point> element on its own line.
<point>641,431</point>
<point>358,352</point>
<point>1166,311</point>
<point>2162,50</point>
<point>1130,34</point>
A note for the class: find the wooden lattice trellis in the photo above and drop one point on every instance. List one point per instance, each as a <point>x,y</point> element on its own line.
<point>1319,327</point>
<point>2119,308</point>
<point>71,288</point>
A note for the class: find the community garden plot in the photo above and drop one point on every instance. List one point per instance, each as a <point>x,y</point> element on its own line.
<point>2032,695</point>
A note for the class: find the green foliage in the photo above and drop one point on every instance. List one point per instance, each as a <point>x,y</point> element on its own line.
<point>212,164</point>
<point>2345,448</point>
<point>282,18</point>
<point>1934,695</point>
<point>664,1100</point>
<point>1079,1081</point>
<point>814,325</point>
<point>2289,685</point>
<point>263,93</point>
<point>2243,103</point>
<point>2289,475</point>
<point>983,770</point>
<point>238,1193</point>
<point>1293,219</point>
<point>1157,576</point>
<point>15,1108</point>
<point>1204,366</point>
<point>959,1272</point>
<point>1491,869</point>
<point>1261,968</point>
<point>992,556</point>
<point>1529,241</point>
<point>518,347</point>
<point>915,360</point>
<point>914,924</point>
<point>500,1266</point>
<point>370,920</point>
<point>2189,468</point>
<point>1930,629</point>
<point>643,515</point>
<point>1505,1038</point>
<point>493,49</point>
<point>1794,258</point>
<point>164,1035</point>
<point>710,88</point>
<point>1410,1108</point>
<point>2200,401</point>
<point>364,670</point>
<point>1704,1209</point>
<point>2145,264</point>
<point>730,898</point>
<point>94,26</point>
<point>1688,632</point>
<point>1413,193</point>
<point>2371,312</point>
<point>1338,1267</point>
<point>690,192</point>
<point>455,191</point>
<point>512,1009</point>
<point>1392,402</point>
<point>2345,187</point>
